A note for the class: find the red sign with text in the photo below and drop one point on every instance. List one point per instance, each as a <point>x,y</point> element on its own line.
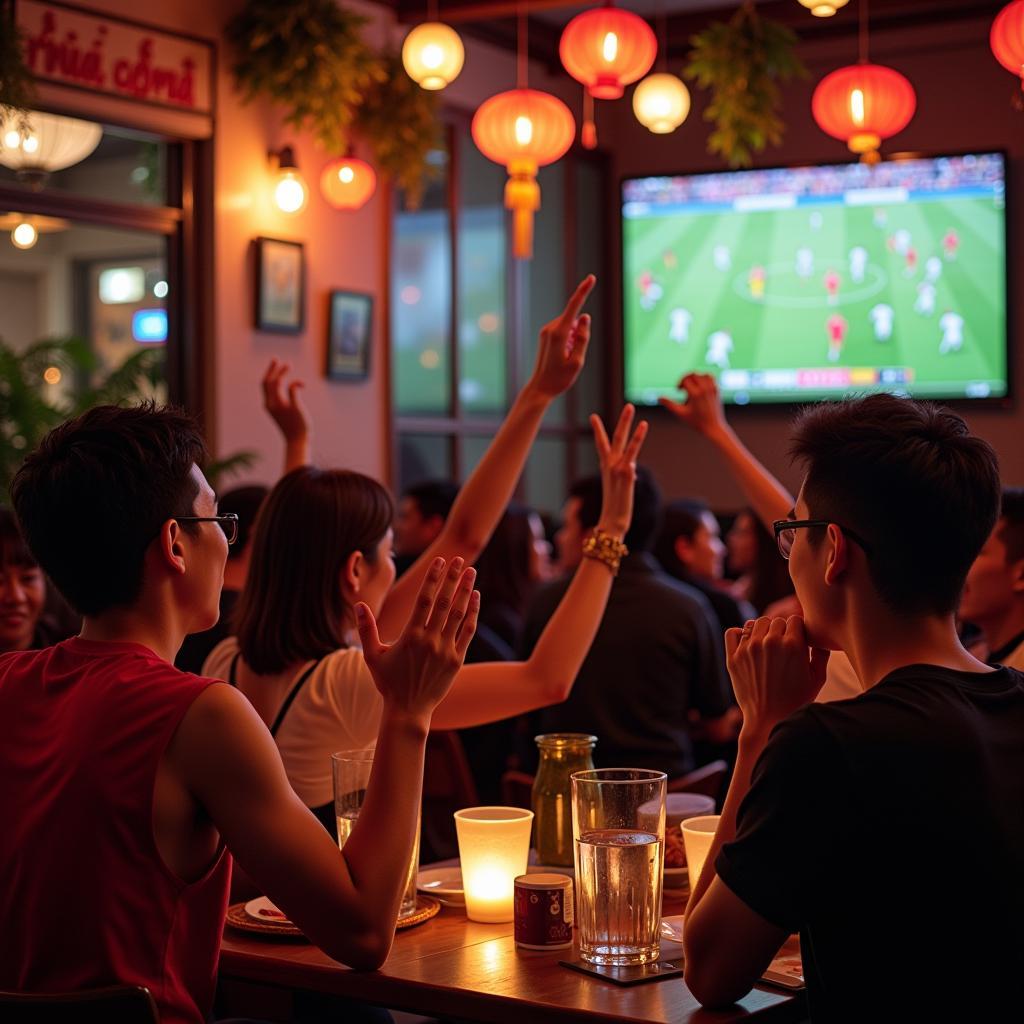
<point>70,46</point>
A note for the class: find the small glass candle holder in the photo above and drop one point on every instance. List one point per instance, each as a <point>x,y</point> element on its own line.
<point>494,847</point>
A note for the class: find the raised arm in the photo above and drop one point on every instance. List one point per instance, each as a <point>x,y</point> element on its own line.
<point>485,495</point>
<point>288,411</point>
<point>346,901</point>
<point>489,692</point>
<point>703,411</point>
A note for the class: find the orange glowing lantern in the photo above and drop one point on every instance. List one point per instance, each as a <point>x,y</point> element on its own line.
<point>862,104</point>
<point>606,49</point>
<point>1007,38</point>
<point>347,183</point>
<point>523,129</point>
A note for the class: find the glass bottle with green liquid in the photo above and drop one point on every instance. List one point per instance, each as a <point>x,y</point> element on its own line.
<point>561,754</point>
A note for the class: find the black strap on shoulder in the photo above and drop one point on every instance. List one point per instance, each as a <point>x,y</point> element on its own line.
<point>231,671</point>
<point>291,697</point>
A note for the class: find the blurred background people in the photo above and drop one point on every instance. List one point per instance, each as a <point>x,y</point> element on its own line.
<point>422,511</point>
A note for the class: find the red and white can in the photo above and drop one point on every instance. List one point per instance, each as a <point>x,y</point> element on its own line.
<point>543,911</point>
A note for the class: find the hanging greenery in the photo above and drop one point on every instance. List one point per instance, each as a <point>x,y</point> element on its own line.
<point>17,89</point>
<point>401,144</point>
<point>309,57</point>
<point>742,62</point>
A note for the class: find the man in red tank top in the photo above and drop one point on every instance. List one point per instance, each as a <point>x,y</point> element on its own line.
<point>125,780</point>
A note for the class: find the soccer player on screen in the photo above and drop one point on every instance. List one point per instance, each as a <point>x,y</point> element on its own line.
<point>832,286</point>
<point>901,241</point>
<point>722,258</point>
<point>669,258</point>
<point>882,317</point>
<point>719,347</point>
<point>925,304</point>
<point>755,281</point>
<point>679,329</point>
<point>650,290</point>
<point>950,244</point>
<point>858,263</point>
<point>952,326</point>
<point>932,269</point>
<point>804,263</point>
<point>911,260</point>
<point>836,326</point>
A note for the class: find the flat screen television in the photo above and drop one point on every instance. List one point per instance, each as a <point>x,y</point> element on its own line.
<point>791,285</point>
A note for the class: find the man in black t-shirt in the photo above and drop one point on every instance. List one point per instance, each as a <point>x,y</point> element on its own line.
<point>887,829</point>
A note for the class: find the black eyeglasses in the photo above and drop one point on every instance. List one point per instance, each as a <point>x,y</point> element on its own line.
<point>785,533</point>
<point>227,522</point>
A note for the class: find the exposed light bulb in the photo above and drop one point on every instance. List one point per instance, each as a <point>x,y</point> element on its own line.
<point>346,175</point>
<point>24,236</point>
<point>290,192</point>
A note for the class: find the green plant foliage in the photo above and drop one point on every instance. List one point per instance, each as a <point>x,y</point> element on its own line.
<point>27,413</point>
<point>308,56</point>
<point>17,89</point>
<point>742,62</point>
<point>402,143</point>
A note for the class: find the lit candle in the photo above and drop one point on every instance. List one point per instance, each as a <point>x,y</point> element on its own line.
<point>494,847</point>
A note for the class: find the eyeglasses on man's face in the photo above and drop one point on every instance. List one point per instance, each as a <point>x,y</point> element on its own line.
<point>227,522</point>
<point>785,533</point>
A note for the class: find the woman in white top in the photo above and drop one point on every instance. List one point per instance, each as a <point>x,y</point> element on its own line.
<point>323,542</point>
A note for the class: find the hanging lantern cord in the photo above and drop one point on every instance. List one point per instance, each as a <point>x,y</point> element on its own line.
<point>432,11</point>
<point>522,57</point>
<point>862,34</point>
<point>662,37</point>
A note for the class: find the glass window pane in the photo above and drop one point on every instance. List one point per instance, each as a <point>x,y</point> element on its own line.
<point>586,463</point>
<point>590,259</point>
<point>481,286</point>
<point>423,457</point>
<point>473,449</point>
<point>545,287</point>
<point>545,485</point>
<point>421,301</point>
<point>107,287</point>
<point>116,164</point>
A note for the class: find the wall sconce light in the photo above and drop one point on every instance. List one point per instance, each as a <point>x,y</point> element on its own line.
<point>290,191</point>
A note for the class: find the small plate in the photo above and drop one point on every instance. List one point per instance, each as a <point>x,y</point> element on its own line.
<point>676,878</point>
<point>444,884</point>
<point>265,912</point>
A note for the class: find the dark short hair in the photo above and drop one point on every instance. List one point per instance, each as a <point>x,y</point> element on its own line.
<point>680,518</point>
<point>245,503</point>
<point>911,480</point>
<point>13,549</point>
<point>292,608</point>
<point>1011,523</point>
<point>95,493</point>
<point>646,507</point>
<point>433,497</point>
<point>503,568</point>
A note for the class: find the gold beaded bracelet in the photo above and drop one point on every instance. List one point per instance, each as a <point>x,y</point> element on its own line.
<point>605,548</point>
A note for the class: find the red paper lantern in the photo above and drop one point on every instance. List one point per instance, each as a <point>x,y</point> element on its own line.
<point>347,183</point>
<point>1007,38</point>
<point>523,129</point>
<point>606,49</point>
<point>863,104</point>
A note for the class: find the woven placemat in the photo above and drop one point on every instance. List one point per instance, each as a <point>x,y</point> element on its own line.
<point>426,908</point>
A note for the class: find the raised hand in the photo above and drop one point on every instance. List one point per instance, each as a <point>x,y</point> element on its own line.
<point>415,672</point>
<point>618,469</point>
<point>702,409</point>
<point>562,348</point>
<point>285,404</point>
<point>774,670</point>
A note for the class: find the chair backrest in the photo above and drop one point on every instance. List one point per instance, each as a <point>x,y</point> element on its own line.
<point>119,1004</point>
<point>447,787</point>
<point>708,779</point>
<point>517,789</point>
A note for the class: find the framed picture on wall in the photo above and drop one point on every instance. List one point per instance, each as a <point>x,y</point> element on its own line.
<point>349,335</point>
<point>280,286</point>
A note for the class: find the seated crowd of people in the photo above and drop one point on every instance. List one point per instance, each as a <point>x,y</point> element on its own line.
<point>176,671</point>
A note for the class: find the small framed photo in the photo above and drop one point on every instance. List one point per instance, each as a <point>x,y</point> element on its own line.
<point>349,336</point>
<point>280,286</point>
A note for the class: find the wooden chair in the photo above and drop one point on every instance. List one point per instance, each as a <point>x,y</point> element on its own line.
<point>118,1004</point>
<point>709,780</point>
<point>447,787</point>
<point>517,789</point>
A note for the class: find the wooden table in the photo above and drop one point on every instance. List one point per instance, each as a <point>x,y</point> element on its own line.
<point>457,968</point>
